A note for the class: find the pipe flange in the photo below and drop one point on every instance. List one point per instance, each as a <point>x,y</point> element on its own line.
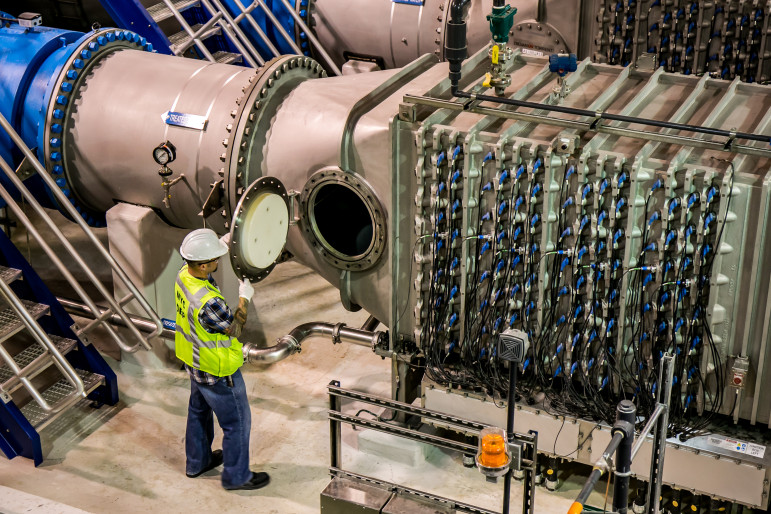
<point>251,221</point>
<point>243,158</point>
<point>64,92</point>
<point>336,333</point>
<point>356,261</point>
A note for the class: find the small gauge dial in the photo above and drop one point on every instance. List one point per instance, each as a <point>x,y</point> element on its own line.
<point>164,153</point>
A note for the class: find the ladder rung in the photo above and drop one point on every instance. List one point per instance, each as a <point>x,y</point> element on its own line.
<point>160,11</point>
<point>10,323</point>
<point>28,355</point>
<point>180,39</point>
<point>227,57</point>
<point>54,395</point>
<point>8,275</point>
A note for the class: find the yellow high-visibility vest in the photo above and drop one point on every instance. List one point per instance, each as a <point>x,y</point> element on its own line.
<point>217,354</point>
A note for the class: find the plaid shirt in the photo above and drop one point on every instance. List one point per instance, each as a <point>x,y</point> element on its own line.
<point>215,317</point>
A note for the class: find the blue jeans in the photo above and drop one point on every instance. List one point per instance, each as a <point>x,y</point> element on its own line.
<point>231,407</point>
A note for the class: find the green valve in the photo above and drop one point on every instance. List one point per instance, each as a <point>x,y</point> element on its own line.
<point>501,20</point>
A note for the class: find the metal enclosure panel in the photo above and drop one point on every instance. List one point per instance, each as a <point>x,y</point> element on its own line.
<point>343,496</point>
<point>556,434</point>
<point>718,475</point>
<point>721,473</point>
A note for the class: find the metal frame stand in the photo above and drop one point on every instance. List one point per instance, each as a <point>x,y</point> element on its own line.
<point>528,442</point>
<point>621,446</point>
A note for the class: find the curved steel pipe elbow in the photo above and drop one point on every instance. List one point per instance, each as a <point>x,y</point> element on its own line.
<point>285,347</point>
<point>290,343</point>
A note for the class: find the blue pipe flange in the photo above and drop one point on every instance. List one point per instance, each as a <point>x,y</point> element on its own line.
<point>64,94</point>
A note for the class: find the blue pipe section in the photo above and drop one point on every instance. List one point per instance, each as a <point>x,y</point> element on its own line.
<point>29,61</point>
<point>41,68</point>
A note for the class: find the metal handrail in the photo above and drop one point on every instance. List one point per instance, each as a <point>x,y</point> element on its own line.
<point>195,36</point>
<point>236,34</point>
<point>186,27</point>
<point>42,338</point>
<point>64,202</point>
<point>311,37</point>
<point>246,11</point>
<point>218,17</point>
<point>244,15</point>
<point>229,24</point>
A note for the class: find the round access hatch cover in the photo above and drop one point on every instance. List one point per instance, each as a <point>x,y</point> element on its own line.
<point>259,228</point>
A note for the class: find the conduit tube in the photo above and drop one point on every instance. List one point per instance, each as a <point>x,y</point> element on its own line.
<point>290,343</point>
<point>141,323</point>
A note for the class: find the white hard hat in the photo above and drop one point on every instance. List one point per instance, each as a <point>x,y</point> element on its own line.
<point>202,245</point>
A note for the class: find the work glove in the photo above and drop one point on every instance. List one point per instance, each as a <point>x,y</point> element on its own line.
<point>226,239</point>
<point>245,289</point>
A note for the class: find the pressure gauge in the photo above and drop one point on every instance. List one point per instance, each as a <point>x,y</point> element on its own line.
<point>164,153</point>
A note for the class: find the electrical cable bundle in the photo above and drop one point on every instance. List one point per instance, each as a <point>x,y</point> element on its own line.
<point>548,253</point>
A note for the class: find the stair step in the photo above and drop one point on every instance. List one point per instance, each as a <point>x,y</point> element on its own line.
<point>27,356</point>
<point>160,11</point>
<point>55,394</point>
<point>10,323</point>
<point>227,57</point>
<point>8,275</point>
<point>182,38</point>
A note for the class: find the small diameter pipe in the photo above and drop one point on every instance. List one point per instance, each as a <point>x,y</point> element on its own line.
<point>290,343</point>
<point>660,408</point>
<point>510,409</point>
<point>625,412</point>
<point>142,324</point>
<point>598,115</point>
<point>455,46</point>
<point>371,324</point>
<point>599,468</point>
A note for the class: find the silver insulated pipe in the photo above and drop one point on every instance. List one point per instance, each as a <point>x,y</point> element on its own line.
<point>291,343</point>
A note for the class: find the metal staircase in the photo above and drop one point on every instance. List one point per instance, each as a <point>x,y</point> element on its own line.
<point>225,31</point>
<point>46,362</point>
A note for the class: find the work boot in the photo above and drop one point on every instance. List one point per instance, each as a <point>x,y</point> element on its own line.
<point>216,460</point>
<point>257,481</point>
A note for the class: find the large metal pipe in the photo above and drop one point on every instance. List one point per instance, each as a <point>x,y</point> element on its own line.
<point>291,343</point>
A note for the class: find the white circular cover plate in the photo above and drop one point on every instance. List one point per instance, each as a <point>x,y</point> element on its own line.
<point>263,234</point>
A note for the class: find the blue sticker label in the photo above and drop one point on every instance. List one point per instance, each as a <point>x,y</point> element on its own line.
<point>180,119</point>
<point>169,324</point>
<point>410,2</point>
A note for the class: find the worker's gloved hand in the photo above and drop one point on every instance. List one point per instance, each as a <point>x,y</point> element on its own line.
<point>245,289</point>
<point>226,239</point>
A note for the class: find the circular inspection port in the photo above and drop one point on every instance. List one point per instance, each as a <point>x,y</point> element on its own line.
<point>343,219</point>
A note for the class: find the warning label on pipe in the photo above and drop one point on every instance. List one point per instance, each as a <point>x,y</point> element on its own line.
<point>735,445</point>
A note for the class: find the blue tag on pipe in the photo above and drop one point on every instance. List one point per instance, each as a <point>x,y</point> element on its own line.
<point>410,2</point>
<point>179,119</point>
<point>169,324</point>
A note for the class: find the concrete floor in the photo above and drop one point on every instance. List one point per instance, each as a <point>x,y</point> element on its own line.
<point>130,457</point>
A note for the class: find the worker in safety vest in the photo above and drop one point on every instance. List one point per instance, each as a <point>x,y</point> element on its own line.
<point>207,342</point>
